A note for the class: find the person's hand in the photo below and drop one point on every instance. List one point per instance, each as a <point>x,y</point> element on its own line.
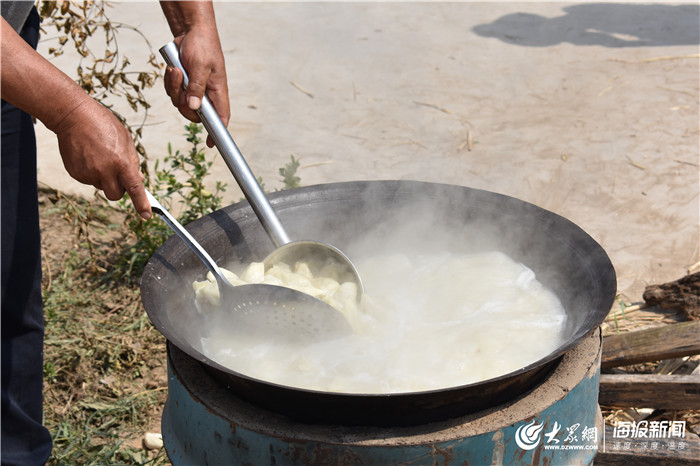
<point>98,150</point>
<point>202,58</point>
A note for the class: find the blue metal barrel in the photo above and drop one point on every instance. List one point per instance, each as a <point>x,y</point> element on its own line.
<point>556,423</point>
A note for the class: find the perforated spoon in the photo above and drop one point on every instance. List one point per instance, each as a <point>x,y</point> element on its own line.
<point>287,251</point>
<point>265,311</point>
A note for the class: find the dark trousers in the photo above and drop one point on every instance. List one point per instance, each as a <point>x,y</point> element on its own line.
<point>25,441</point>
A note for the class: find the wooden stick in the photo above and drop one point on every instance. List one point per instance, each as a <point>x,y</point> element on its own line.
<point>650,391</point>
<point>655,344</point>
<point>627,310</point>
<point>694,268</point>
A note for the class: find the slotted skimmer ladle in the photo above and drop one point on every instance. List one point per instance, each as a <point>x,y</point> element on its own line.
<point>271,312</point>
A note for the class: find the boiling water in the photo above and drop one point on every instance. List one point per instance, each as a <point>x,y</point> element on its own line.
<point>428,321</point>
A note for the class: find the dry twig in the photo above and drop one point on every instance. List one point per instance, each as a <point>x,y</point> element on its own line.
<point>635,164</point>
<point>425,104</point>
<point>302,89</point>
<point>655,59</point>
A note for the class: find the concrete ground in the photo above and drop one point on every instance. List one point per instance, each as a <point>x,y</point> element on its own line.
<point>589,110</point>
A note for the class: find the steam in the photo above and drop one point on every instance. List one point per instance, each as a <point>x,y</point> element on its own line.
<point>433,321</point>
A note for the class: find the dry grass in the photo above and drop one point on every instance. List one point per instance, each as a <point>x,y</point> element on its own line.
<point>104,364</point>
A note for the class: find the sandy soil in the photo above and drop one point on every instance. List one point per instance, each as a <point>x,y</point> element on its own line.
<point>588,110</point>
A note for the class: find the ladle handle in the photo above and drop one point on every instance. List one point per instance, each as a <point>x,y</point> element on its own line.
<point>233,157</point>
<point>180,231</point>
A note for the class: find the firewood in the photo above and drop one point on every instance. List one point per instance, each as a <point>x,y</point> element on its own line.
<point>682,294</point>
<point>655,344</point>
<point>650,391</point>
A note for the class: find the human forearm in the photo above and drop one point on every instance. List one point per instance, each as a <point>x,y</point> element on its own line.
<point>184,16</point>
<point>32,83</point>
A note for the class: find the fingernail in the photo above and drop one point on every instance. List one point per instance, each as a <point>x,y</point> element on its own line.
<point>146,215</point>
<point>194,102</point>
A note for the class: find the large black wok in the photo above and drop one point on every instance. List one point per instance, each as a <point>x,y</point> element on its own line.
<point>438,217</point>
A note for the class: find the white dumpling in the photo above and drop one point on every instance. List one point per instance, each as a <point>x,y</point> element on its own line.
<point>302,268</point>
<point>254,273</point>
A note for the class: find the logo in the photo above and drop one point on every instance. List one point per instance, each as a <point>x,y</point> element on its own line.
<point>650,435</point>
<point>528,436</point>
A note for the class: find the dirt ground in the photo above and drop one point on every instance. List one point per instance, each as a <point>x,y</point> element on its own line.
<point>588,110</point>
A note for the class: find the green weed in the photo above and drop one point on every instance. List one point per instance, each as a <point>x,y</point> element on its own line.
<point>288,172</point>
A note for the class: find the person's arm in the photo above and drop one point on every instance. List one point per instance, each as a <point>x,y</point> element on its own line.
<point>96,148</point>
<point>194,30</point>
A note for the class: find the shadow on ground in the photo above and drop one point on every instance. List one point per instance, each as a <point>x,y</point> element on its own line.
<point>607,25</point>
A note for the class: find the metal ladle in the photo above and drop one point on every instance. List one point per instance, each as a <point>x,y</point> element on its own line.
<point>278,313</point>
<point>286,250</point>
